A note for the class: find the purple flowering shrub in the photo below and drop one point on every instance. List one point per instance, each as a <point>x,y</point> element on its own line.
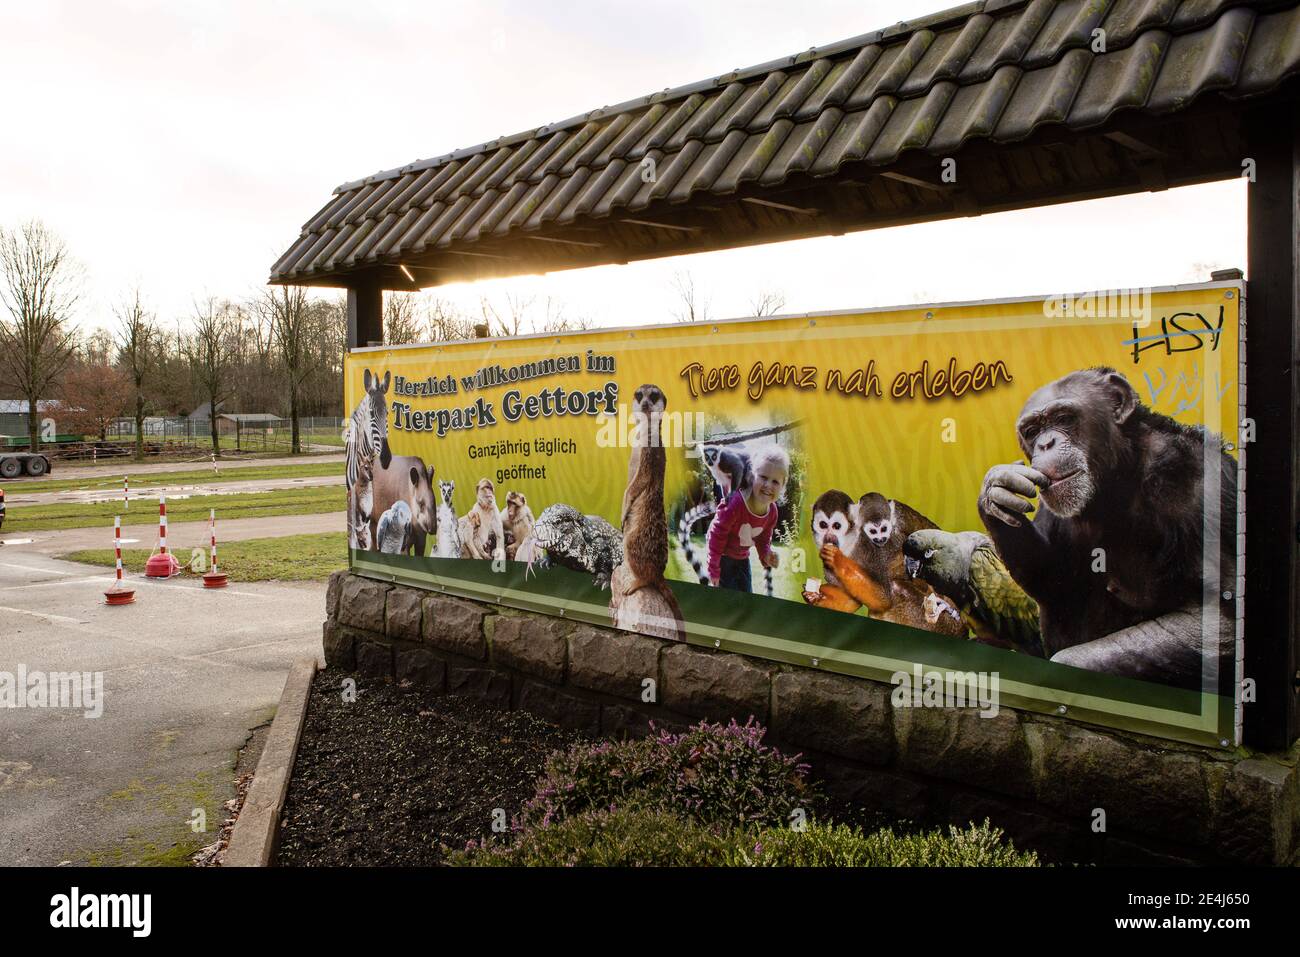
<point>712,773</point>
<point>714,795</point>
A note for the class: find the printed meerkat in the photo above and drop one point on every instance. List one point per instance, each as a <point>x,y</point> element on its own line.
<point>481,534</point>
<point>640,599</point>
<point>517,520</point>
<point>448,526</point>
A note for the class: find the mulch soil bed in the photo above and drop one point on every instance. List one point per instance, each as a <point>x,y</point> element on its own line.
<point>402,775</point>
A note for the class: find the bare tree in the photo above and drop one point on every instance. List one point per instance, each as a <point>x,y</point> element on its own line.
<point>294,326</point>
<point>39,286</point>
<point>445,323</point>
<point>208,348</point>
<point>693,305</point>
<point>401,324</point>
<point>96,347</point>
<point>553,318</point>
<point>767,303</point>
<point>172,387</point>
<point>94,395</point>
<point>138,344</point>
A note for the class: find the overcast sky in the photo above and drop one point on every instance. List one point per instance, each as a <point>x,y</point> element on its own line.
<point>182,145</point>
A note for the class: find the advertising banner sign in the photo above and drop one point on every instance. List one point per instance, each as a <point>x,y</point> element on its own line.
<point>1037,501</point>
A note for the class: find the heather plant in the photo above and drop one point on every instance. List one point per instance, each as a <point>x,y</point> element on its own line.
<point>629,837</point>
<point>976,845</point>
<point>602,838</point>
<point>713,774</point>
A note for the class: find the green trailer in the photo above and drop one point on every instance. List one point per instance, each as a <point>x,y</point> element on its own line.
<point>21,441</point>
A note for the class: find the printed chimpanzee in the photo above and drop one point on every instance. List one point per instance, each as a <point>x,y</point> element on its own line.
<point>1123,553</point>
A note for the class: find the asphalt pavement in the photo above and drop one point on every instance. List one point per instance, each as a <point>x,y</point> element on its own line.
<point>181,536</point>
<point>186,673</point>
<point>121,466</point>
<point>145,496</point>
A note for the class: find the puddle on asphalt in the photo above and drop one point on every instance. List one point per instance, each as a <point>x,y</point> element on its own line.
<point>16,541</point>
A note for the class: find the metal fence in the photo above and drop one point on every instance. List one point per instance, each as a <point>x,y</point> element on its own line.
<point>318,432</point>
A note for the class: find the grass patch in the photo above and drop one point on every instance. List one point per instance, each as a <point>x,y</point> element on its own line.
<point>205,475</point>
<point>291,558</point>
<point>785,584</point>
<point>294,501</point>
<point>323,437</point>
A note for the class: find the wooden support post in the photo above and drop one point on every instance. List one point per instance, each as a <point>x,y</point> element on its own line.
<point>365,314</point>
<point>1272,497</point>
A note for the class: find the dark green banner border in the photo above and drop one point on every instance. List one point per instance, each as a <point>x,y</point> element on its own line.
<point>794,633</point>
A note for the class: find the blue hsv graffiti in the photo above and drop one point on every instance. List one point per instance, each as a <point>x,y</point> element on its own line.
<point>1185,390</point>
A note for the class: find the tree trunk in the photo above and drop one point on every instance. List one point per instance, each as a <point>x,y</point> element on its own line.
<point>212,420</point>
<point>139,425</point>
<point>296,444</point>
<point>33,425</point>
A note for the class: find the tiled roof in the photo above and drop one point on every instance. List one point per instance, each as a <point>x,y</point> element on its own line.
<point>996,70</point>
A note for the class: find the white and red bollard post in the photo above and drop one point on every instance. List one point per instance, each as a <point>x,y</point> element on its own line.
<point>162,564</point>
<point>118,595</point>
<point>214,578</point>
<point>126,492</point>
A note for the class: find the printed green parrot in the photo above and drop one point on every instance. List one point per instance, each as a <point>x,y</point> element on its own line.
<point>966,567</point>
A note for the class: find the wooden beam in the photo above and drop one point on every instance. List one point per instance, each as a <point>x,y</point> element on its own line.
<point>365,313</point>
<point>1273,460</point>
<point>461,252</point>
<point>1135,145</point>
<point>774,205</point>
<point>915,181</point>
<point>654,225</point>
<point>566,242</point>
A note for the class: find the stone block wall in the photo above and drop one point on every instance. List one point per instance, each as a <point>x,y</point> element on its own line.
<point>1041,778</point>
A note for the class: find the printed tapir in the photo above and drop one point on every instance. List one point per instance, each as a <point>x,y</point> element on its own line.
<point>405,479</point>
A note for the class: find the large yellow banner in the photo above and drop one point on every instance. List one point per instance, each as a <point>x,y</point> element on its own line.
<point>1046,489</point>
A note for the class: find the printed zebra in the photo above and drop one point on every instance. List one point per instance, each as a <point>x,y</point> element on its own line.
<point>365,438</point>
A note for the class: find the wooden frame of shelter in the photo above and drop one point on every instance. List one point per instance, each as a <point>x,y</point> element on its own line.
<point>1036,101</point>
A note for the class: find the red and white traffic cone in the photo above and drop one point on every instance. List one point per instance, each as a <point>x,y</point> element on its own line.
<point>162,564</point>
<point>118,595</point>
<point>214,578</point>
